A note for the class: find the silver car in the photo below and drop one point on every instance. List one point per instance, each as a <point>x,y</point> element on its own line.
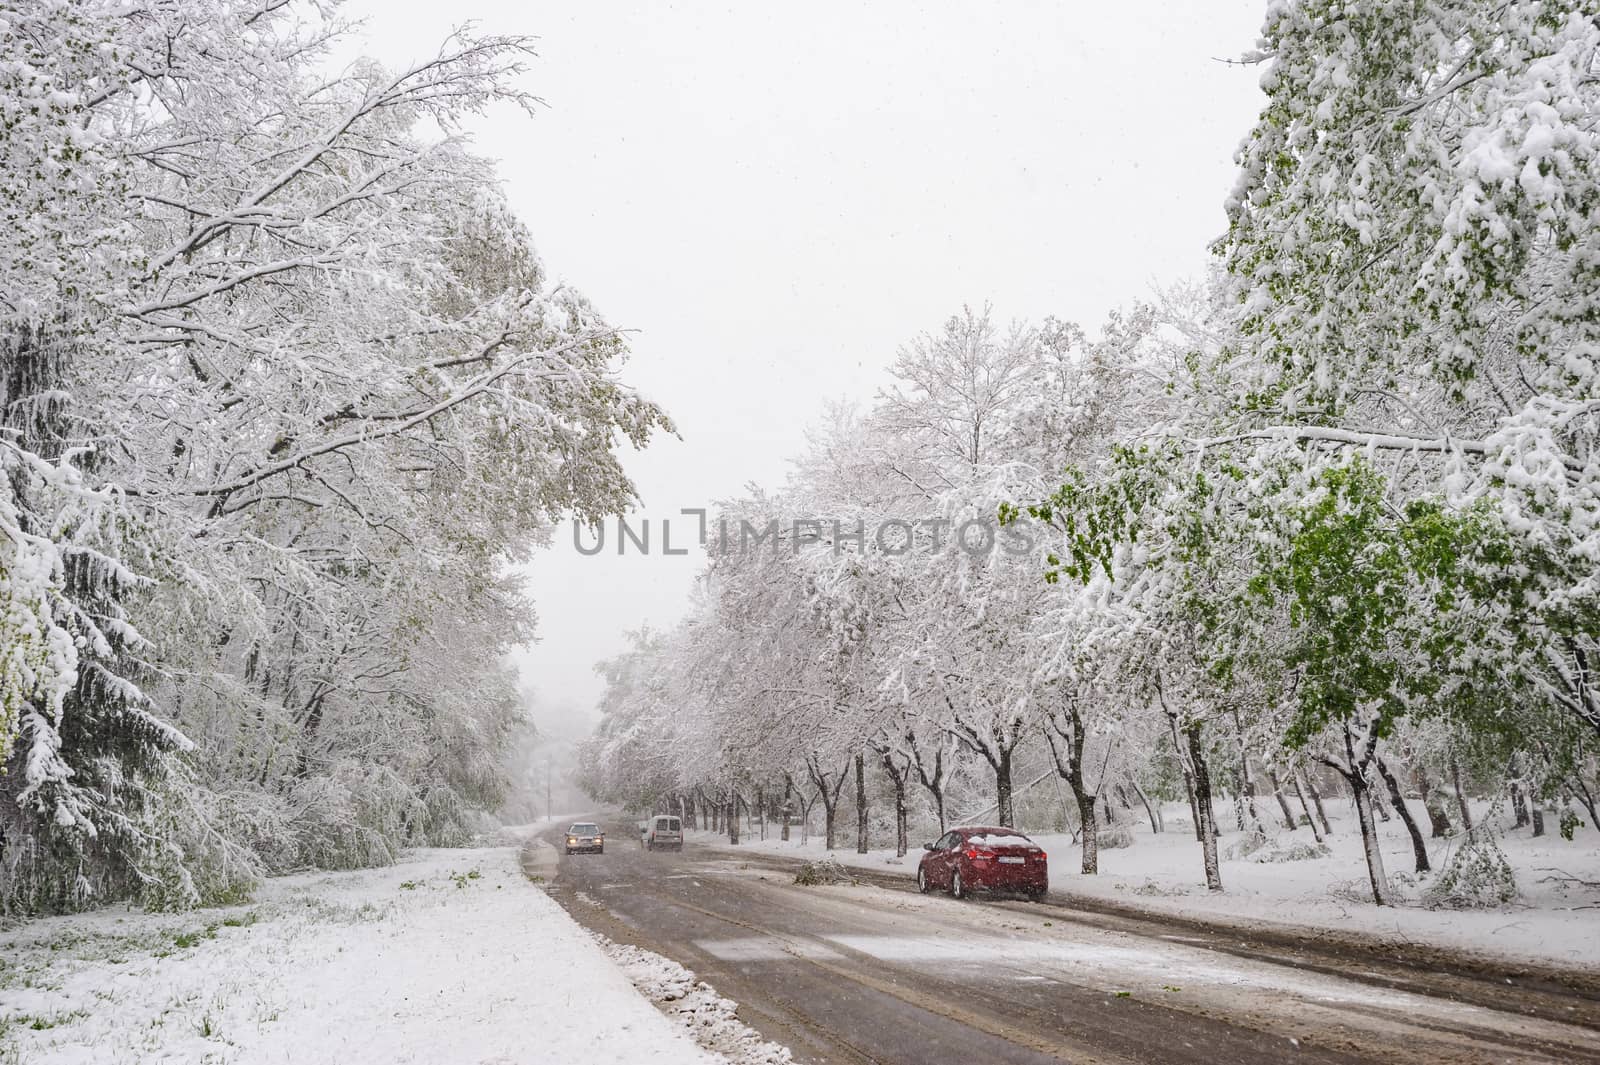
<point>585,836</point>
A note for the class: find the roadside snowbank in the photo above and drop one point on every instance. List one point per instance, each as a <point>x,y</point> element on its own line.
<point>708,1017</point>
<point>1551,922</point>
<point>450,956</point>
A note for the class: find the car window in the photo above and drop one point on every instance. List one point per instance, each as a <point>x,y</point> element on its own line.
<point>672,824</point>
<point>950,841</point>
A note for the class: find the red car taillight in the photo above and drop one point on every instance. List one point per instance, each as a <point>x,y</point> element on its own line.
<point>975,853</point>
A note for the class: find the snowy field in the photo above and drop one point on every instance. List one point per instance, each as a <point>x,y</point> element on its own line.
<point>1549,922</point>
<point>449,956</point>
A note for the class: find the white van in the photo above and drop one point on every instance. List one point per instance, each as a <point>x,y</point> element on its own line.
<point>664,831</point>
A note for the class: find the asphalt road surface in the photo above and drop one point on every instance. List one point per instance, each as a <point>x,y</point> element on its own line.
<point>874,972</point>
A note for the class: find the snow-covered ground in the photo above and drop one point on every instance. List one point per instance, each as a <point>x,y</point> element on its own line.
<point>449,956</point>
<point>1549,922</point>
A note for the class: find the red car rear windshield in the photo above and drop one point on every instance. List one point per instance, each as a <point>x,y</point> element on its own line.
<point>997,837</point>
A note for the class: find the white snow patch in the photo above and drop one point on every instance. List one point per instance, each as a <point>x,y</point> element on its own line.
<point>766,948</point>
<point>711,1019</point>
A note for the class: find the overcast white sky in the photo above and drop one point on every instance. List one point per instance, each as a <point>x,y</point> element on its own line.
<point>777,196</point>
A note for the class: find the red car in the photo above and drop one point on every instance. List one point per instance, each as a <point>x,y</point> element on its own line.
<point>965,860</point>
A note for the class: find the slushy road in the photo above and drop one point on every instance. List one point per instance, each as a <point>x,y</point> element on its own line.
<point>875,972</point>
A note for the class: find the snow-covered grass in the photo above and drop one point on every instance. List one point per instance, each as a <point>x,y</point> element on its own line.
<point>1550,921</point>
<point>449,956</point>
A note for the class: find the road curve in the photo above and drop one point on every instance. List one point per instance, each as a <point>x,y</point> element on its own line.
<point>877,973</point>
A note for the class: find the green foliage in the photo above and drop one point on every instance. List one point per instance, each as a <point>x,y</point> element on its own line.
<point>1477,877</point>
<point>1098,515</point>
<point>1390,605</point>
<point>45,1022</point>
<point>1345,578</point>
<point>185,940</point>
<point>822,872</point>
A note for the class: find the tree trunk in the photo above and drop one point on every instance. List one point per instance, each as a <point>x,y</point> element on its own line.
<point>1380,804</point>
<point>829,797</point>
<point>861,803</point>
<point>1150,811</point>
<point>1188,776</point>
<point>1091,832</point>
<point>1586,797</point>
<point>788,791</point>
<point>1537,816</point>
<point>1369,838</point>
<point>1438,820</point>
<point>897,776</point>
<point>1002,782</point>
<point>1519,795</point>
<point>1070,769</point>
<point>1316,801</point>
<point>1316,833</point>
<point>1461,796</point>
<point>1245,800</point>
<point>1283,801</point>
<point>732,817</point>
<point>933,781</point>
<point>1202,796</point>
<point>761,810</point>
<point>1419,848</point>
<point>1354,771</point>
<point>902,827</point>
<point>805,818</point>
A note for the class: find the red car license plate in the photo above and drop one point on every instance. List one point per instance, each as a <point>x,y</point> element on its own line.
<point>1012,861</point>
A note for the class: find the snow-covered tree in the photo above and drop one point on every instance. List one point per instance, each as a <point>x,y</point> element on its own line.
<point>285,391</point>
